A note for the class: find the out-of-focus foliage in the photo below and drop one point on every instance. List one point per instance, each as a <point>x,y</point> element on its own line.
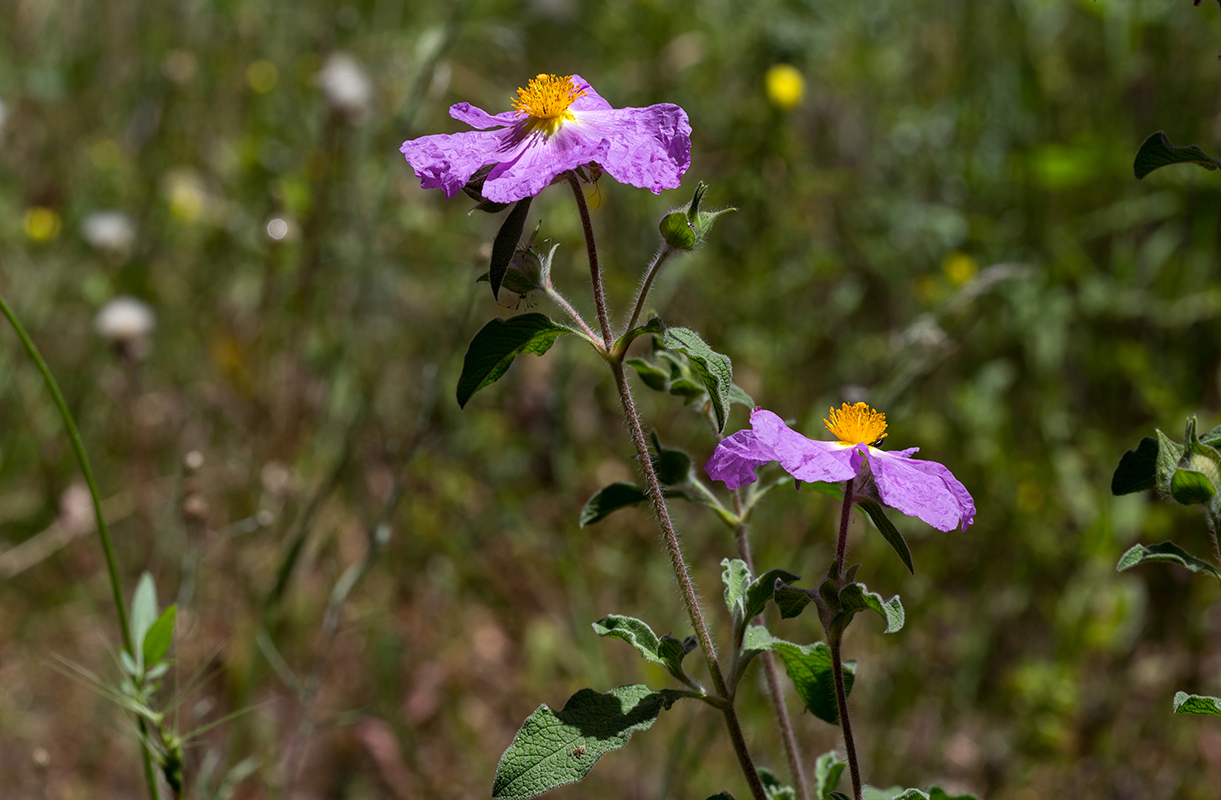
<point>944,222</point>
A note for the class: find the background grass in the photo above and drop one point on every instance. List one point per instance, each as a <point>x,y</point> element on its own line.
<point>947,224</point>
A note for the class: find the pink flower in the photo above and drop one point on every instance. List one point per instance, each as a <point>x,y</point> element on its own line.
<point>557,124</point>
<point>923,489</point>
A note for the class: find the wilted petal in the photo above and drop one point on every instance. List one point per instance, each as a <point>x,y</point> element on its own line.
<point>647,147</point>
<point>805,459</point>
<point>735,459</point>
<point>539,160</point>
<point>478,118</point>
<point>923,489</point>
<point>447,161</point>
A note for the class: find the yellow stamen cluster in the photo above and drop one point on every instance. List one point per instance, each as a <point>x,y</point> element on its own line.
<point>546,100</point>
<point>857,424</point>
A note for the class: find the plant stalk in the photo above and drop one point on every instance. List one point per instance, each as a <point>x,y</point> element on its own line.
<point>835,636</point>
<point>78,448</point>
<point>647,284</point>
<point>595,274</point>
<point>791,752</point>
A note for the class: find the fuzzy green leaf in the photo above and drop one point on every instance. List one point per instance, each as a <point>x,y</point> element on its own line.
<point>763,589</point>
<point>143,614</point>
<point>505,243</point>
<point>555,748</point>
<point>671,466</point>
<point>773,787</point>
<point>1169,454</point>
<point>714,369</point>
<point>828,768</point>
<point>1137,470</point>
<point>736,577</point>
<point>610,498</point>
<point>633,631</point>
<point>877,515</point>
<point>854,598</point>
<point>655,378</point>
<point>1157,151</point>
<point>1168,552</point>
<point>791,600</point>
<point>498,343</point>
<point>738,395</point>
<point>808,666</point>
<point>160,634</point>
<point>1197,704</point>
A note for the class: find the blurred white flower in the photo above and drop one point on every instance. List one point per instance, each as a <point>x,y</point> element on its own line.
<point>125,320</point>
<point>111,231</point>
<point>345,85</point>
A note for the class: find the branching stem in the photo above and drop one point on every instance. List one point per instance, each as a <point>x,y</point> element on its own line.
<point>835,636</point>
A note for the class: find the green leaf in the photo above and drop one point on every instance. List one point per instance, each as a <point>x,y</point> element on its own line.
<point>736,577</point>
<point>1212,438</point>
<point>1168,552</point>
<point>655,378</point>
<point>715,369</point>
<point>672,651</point>
<point>1157,151</point>
<point>143,614</point>
<point>610,499</point>
<point>773,787</point>
<point>671,466</point>
<point>873,510</point>
<point>738,395</point>
<point>763,589</point>
<point>896,793</point>
<point>1197,704</point>
<point>855,597</point>
<point>687,389</point>
<point>160,634</point>
<point>555,748</point>
<point>498,343</point>
<point>828,768</point>
<point>1169,454</point>
<point>1191,487</point>
<point>791,600</point>
<point>1137,470</point>
<point>808,666</point>
<point>505,243</point>
<point>633,631</point>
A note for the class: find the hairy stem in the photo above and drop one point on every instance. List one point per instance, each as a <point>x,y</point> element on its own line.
<point>841,697</point>
<point>647,284</point>
<point>683,576</point>
<point>595,274</point>
<point>78,447</point>
<point>774,692</point>
<point>563,303</point>
<point>835,636</point>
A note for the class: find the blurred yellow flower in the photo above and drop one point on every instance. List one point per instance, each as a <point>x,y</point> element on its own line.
<point>785,86</point>
<point>262,76</point>
<point>959,267</point>
<point>41,224</point>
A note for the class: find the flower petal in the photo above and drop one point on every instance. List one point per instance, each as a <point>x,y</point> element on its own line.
<point>648,147</point>
<point>805,459</point>
<point>538,160</point>
<point>923,489</point>
<point>478,118</point>
<point>589,100</point>
<point>447,161</point>
<point>735,459</point>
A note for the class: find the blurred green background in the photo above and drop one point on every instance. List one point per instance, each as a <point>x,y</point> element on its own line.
<point>945,224</point>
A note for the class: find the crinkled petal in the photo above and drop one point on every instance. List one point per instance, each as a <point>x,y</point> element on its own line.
<point>538,160</point>
<point>735,459</point>
<point>589,100</point>
<point>478,118</point>
<point>447,161</point>
<point>923,489</point>
<point>648,147</point>
<point>805,459</point>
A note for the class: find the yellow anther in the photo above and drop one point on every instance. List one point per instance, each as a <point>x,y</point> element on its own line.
<point>546,100</point>
<point>857,424</point>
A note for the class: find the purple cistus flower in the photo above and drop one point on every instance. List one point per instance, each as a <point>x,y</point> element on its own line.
<point>923,489</point>
<point>557,124</point>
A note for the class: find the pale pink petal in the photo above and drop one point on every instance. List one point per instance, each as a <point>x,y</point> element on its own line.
<point>538,161</point>
<point>735,459</point>
<point>447,161</point>
<point>923,489</point>
<point>478,118</point>
<point>805,459</point>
